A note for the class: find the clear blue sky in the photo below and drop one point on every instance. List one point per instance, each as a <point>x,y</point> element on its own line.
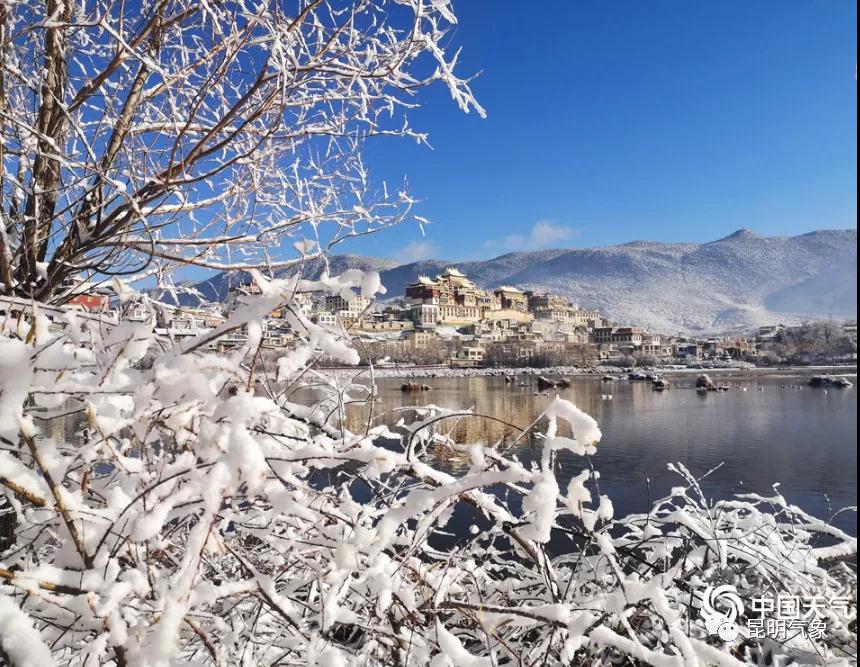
<point>616,121</point>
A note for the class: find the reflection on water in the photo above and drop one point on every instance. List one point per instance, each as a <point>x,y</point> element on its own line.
<point>764,431</point>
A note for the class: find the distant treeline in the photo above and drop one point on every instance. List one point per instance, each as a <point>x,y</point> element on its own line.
<point>809,343</point>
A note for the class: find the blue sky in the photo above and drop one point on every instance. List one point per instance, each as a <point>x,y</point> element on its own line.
<point>624,120</point>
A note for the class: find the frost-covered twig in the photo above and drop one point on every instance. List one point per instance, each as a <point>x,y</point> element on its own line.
<point>223,527</point>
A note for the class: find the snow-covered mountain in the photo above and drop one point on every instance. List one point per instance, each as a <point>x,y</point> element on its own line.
<point>216,287</point>
<point>739,281</point>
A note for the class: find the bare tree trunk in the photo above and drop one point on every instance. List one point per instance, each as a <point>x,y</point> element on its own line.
<point>5,246</point>
<point>51,127</point>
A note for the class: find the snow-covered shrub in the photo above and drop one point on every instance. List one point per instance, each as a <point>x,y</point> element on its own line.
<point>165,504</point>
<point>197,515</point>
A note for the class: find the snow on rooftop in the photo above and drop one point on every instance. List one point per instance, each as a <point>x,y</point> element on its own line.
<point>447,332</point>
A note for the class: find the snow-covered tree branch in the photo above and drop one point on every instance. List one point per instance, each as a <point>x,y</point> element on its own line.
<point>199,515</point>
<point>138,137</point>
<point>190,510</point>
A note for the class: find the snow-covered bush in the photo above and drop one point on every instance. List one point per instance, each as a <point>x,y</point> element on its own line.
<point>163,503</point>
<point>196,515</point>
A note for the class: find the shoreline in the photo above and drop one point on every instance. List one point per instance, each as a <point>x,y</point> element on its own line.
<point>419,372</point>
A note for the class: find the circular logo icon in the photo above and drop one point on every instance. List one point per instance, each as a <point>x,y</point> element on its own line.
<point>721,606</point>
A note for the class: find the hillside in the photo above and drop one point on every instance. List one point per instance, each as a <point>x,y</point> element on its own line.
<point>216,287</point>
<point>739,281</point>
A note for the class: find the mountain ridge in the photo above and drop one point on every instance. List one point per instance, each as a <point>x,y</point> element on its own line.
<point>739,281</point>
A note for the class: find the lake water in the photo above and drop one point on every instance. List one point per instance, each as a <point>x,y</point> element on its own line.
<point>777,431</point>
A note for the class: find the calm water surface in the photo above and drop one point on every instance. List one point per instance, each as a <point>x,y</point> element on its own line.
<point>805,439</point>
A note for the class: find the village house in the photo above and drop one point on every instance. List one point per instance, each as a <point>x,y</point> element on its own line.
<point>237,295</point>
<point>488,302</point>
<point>326,319</point>
<point>769,332</point>
<point>554,308</point>
<point>468,356</point>
<point>455,296</point>
<point>137,311</point>
<point>420,340</point>
<point>85,295</point>
<point>511,352</point>
<point>555,330</point>
<point>508,315</point>
<point>621,336</point>
<point>382,322</point>
<point>424,315</point>
<point>586,318</point>
<point>727,348</point>
<point>578,336</point>
<point>549,307</point>
<point>348,310</point>
<point>95,300</point>
<point>303,303</point>
<point>511,298</point>
<point>687,350</point>
<point>657,346</point>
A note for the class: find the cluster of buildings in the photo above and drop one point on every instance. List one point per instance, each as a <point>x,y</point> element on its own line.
<point>449,319</point>
<point>452,300</point>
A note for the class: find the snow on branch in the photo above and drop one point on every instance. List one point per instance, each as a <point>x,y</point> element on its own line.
<point>190,510</point>
<point>170,502</point>
<point>135,139</point>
